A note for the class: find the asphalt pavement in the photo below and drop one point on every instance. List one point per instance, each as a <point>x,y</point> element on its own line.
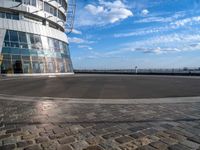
<point>102,86</point>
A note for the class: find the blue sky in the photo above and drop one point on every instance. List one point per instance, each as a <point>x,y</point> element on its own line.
<point>122,34</point>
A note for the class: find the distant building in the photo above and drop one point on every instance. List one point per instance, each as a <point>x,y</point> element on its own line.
<point>32,37</point>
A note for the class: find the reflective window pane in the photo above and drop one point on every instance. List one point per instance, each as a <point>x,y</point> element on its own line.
<point>14,36</point>
<point>27,67</point>
<point>22,37</point>
<point>8,15</point>
<point>6,67</point>
<point>7,36</point>
<point>36,67</point>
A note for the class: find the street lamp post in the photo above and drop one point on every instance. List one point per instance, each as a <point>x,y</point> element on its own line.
<point>136,69</point>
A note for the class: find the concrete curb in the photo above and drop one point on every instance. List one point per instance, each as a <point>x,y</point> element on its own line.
<point>103,101</point>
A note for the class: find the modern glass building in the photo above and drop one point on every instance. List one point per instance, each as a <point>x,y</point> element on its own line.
<point>32,37</point>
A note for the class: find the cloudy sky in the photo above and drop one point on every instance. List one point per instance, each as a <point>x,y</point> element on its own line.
<point>110,34</point>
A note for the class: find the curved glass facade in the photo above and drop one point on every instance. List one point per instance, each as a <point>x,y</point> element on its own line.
<point>31,53</point>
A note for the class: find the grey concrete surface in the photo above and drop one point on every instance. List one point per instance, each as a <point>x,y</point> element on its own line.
<point>102,86</point>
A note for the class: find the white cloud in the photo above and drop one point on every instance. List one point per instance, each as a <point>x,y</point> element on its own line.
<point>94,10</point>
<point>161,18</point>
<point>76,40</point>
<point>174,23</point>
<point>143,31</point>
<point>186,21</point>
<point>145,12</point>
<point>103,13</point>
<point>79,40</point>
<point>165,44</point>
<point>85,46</point>
<point>76,31</point>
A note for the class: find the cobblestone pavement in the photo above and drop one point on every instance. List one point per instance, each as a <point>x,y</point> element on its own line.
<point>59,125</point>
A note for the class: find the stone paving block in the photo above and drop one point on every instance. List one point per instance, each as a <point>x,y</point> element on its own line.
<point>58,130</point>
<point>94,140</point>
<point>7,147</point>
<point>136,129</point>
<point>159,145</point>
<point>69,132</point>
<point>29,136</point>
<point>190,144</point>
<point>128,146</point>
<point>109,144</point>
<point>46,133</point>
<point>195,139</point>
<point>24,143</point>
<point>153,138</point>
<point>20,133</point>
<point>47,127</point>
<point>33,147</point>
<point>93,148</point>
<point>177,137</point>
<point>41,139</point>
<point>66,140</point>
<point>169,141</point>
<point>183,132</point>
<point>123,139</point>
<point>80,145</point>
<point>137,135</point>
<point>99,131</point>
<point>162,134</point>
<point>64,147</point>
<point>13,130</point>
<point>50,145</point>
<point>146,147</point>
<point>178,147</point>
<point>56,136</point>
<point>150,131</point>
<point>111,135</point>
<point>9,141</point>
<point>142,141</point>
<point>4,136</point>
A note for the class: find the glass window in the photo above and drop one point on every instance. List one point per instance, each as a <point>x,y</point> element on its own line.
<point>6,56</point>
<point>31,38</point>
<point>51,67</point>
<point>45,43</point>
<point>61,47</point>
<point>8,15</point>
<point>14,39</point>
<point>27,67</point>
<point>27,2</point>
<point>18,0</point>
<point>6,67</point>
<point>42,67</point>
<point>36,42</point>
<point>46,7</point>
<point>56,45</point>
<point>33,2</point>
<point>14,36</point>
<point>2,15</point>
<point>22,37</point>
<point>51,44</point>
<point>36,67</point>
<point>7,36</point>
<point>15,16</point>
<point>22,40</point>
